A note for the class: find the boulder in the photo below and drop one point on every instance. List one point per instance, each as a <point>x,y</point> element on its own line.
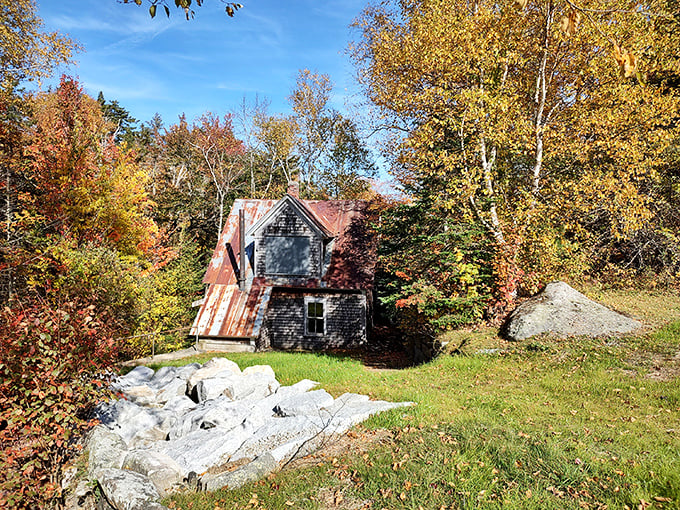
<point>254,385</point>
<point>211,369</point>
<point>187,371</point>
<point>163,471</point>
<point>221,412</point>
<point>141,394</point>
<point>164,437</point>
<point>211,388</point>
<point>258,468</point>
<point>129,420</point>
<point>563,311</point>
<point>163,377</point>
<point>275,432</point>
<point>137,376</point>
<point>180,405</point>
<point>128,490</point>
<point>260,369</point>
<point>106,450</point>
<point>304,403</point>
<point>203,449</point>
<point>174,388</point>
<point>349,409</point>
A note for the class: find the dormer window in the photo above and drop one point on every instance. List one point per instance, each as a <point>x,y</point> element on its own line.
<point>287,256</point>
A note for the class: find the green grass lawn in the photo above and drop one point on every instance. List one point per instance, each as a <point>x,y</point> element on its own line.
<point>540,424</point>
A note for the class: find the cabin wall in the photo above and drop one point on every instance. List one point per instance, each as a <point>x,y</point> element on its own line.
<point>284,324</point>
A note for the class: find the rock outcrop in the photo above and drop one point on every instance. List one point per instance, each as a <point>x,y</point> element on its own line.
<point>209,427</point>
<point>563,311</point>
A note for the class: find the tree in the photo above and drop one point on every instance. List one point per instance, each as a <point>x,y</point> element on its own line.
<point>309,100</point>
<point>124,125</point>
<point>246,117</point>
<point>221,157</point>
<point>433,269</point>
<point>83,186</point>
<point>348,164</point>
<point>27,51</point>
<point>278,137</point>
<point>333,159</point>
<point>536,114</point>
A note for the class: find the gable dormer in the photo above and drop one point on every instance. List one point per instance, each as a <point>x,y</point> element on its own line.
<point>290,242</point>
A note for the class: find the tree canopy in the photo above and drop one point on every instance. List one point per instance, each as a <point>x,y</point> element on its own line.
<point>535,119</point>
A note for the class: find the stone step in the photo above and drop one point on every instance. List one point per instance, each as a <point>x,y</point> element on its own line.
<point>220,345</point>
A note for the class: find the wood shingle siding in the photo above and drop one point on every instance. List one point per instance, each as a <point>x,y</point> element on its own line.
<point>345,316</point>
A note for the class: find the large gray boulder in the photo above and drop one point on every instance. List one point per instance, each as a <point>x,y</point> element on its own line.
<point>162,470</point>
<point>211,369</point>
<point>106,450</point>
<point>563,311</point>
<point>128,490</point>
<point>304,403</point>
<point>258,468</point>
<point>137,376</point>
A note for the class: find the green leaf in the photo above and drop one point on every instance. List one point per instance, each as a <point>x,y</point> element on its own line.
<point>138,2</point>
<point>152,11</point>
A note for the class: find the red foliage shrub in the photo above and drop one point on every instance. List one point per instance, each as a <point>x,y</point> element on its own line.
<point>52,359</point>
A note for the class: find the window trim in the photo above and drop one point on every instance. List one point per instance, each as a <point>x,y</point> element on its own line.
<point>324,316</point>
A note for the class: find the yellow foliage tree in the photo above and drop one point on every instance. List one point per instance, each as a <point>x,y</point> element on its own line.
<point>534,115</point>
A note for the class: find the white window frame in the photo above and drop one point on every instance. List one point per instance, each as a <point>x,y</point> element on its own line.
<point>324,317</point>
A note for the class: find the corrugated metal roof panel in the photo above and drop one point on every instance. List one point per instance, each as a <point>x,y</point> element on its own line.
<point>229,312</point>
<point>225,260</point>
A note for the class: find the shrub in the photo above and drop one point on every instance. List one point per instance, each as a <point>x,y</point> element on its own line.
<point>434,271</point>
<point>51,362</point>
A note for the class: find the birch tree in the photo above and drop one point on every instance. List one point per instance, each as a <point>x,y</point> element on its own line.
<point>534,114</point>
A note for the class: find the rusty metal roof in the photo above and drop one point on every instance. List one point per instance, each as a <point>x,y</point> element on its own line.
<point>230,312</point>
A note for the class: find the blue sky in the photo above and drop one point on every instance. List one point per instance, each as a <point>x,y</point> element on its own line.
<point>173,66</point>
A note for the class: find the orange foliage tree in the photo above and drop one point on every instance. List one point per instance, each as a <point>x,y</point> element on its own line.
<point>83,185</point>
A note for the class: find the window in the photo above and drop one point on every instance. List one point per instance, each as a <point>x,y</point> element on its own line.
<point>287,256</point>
<point>315,319</point>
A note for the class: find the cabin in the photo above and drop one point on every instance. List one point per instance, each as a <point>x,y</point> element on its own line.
<point>290,274</point>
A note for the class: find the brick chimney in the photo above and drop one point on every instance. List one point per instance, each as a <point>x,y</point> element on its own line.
<point>294,188</point>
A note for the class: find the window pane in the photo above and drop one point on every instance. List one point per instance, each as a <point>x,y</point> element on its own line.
<point>311,326</point>
<point>319,309</point>
<point>319,326</point>
<point>311,309</point>
<point>287,255</point>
